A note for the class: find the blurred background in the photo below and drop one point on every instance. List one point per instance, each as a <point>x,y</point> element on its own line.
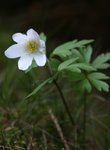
<point>60,20</point>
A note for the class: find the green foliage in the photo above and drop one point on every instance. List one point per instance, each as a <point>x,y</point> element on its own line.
<point>101,61</point>
<point>88,53</point>
<point>85,54</point>
<point>98,75</point>
<point>39,87</point>
<point>80,66</point>
<point>54,63</point>
<point>97,83</point>
<point>73,76</point>
<point>26,124</point>
<point>96,78</point>
<point>66,49</point>
<point>77,65</point>
<point>84,85</point>
<point>76,56</point>
<point>66,64</point>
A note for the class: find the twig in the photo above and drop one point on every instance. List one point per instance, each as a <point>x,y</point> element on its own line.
<point>30,144</point>
<point>3,147</point>
<point>45,140</point>
<point>54,119</point>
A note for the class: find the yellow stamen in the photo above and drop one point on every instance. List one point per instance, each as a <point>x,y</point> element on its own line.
<point>31,46</point>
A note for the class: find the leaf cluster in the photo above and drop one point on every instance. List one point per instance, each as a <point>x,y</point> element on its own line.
<point>77,65</point>
<point>73,60</point>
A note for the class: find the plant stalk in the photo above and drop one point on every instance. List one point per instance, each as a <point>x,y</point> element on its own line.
<point>61,94</point>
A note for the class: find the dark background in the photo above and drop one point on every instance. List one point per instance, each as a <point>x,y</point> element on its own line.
<point>60,20</point>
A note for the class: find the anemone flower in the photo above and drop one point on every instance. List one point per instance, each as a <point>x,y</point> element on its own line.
<point>28,47</point>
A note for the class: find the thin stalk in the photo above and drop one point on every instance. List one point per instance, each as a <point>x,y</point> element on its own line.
<point>61,94</point>
<point>84,119</point>
<point>64,101</point>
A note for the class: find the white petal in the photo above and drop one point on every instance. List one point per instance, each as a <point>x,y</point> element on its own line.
<point>24,62</point>
<point>42,46</point>
<point>19,37</point>
<point>40,59</point>
<point>15,51</point>
<point>32,34</point>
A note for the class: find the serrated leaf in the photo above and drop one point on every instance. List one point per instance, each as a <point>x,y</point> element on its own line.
<point>64,49</point>
<point>83,66</point>
<point>99,85</point>
<point>88,53</point>
<point>73,68</point>
<point>98,75</point>
<point>43,36</point>
<point>84,85</point>
<point>100,61</point>
<point>104,66</point>
<point>83,43</point>
<point>39,87</point>
<point>66,63</point>
<point>76,53</point>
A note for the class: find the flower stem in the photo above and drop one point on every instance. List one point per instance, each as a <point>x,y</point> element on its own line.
<point>61,94</point>
<point>64,102</point>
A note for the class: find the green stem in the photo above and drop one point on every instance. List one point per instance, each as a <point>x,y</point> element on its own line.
<point>64,102</point>
<point>61,94</point>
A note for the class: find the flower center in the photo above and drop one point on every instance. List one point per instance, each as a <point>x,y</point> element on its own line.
<point>31,46</point>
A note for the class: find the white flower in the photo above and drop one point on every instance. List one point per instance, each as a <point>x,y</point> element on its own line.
<point>29,46</point>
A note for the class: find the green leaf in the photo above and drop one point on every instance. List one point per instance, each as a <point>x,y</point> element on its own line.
<point>54,63</point>
<point>39,87</point>
<point>84,54</point>
<point>87,53</point>
<point>73,76</point>
<point>82,66</point>
<point>98,75</point>
<point>99,85</point>
<point>84,85</point>
<point>100,61</point>
<point>82,43</point>
<point>76,53</point>
<point>43,36</point>
<point>95,78</point>
<point>74,68</point>
<point>64,49</point>
<point>66,63</point>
